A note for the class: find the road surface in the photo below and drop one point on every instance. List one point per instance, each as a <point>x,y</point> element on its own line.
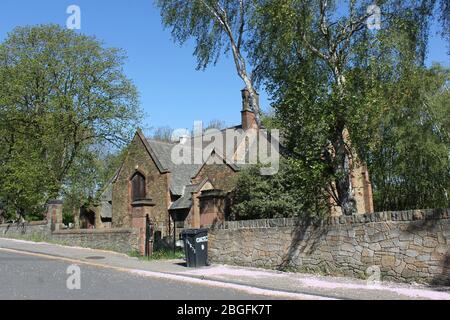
<point>24,276</point>
<point>30,270</point>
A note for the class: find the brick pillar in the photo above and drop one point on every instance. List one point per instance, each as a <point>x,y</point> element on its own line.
<point>98,217</point>
<point>140,209</point>
<point>54,214</point>
<point>76,218</point>
<point>212,207</point>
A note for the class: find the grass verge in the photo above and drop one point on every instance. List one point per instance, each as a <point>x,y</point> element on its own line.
<point>159,255</point>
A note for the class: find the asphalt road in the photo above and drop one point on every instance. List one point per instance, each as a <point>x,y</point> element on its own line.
<point>35,278</point>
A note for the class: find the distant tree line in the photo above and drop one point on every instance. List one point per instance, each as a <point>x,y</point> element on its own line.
<point>166,133</point>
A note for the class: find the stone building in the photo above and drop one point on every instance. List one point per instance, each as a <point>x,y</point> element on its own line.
<point>150,178</point>
<point>151,183</point>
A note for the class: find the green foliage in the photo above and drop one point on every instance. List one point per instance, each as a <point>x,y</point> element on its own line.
<point>404,139</point>
<point>363,84</point>
<point>369,83</point>
<point>292,192</point>
<point>159,255</point>
<point>167,255</point>
<point>62,97</point>
<point>68,217</point>
<point>87,179</point>
<point>195,20</point>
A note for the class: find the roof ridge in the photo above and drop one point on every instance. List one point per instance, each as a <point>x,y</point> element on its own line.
<point>221,130</point>
<point>161,142</point>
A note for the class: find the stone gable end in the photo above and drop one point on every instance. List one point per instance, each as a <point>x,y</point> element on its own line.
<point>221,175</point>
<point>157,188</point>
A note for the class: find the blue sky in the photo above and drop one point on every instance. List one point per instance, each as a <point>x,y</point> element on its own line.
<point>172,92</point>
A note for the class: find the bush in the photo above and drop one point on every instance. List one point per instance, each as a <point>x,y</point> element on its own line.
<point>292,192</point>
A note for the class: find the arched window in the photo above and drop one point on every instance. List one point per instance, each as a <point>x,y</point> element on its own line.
<point>138,187</point>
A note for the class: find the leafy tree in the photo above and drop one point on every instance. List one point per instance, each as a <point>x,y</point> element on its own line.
<point>86,180</point>
<point>218,27</point>
<point>312,55</point>
<point>405,138</point>
<point>61,94</point>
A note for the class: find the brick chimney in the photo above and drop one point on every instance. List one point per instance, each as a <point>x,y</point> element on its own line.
<point>248,116</point>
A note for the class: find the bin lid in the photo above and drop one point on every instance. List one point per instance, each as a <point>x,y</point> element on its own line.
<point>193,231</point>
<point>188,231</point>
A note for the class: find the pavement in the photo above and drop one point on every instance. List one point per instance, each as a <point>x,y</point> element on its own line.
<point>119,276</point>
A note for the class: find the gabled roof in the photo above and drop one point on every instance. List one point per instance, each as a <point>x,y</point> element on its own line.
<point>215,154</point>
<point>185,201</point>
<point>154,156</point>
<point>181,174</point>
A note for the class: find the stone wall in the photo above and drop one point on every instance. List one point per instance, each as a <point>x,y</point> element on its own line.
<point>409,246</point>
<point>38,229</point>
<point>119,240</point>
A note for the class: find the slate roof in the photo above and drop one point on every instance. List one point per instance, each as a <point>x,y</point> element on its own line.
<point>227,150</point>
<point>184,202</point>
<point>106,197</point>
<point>205,140</point>
<point>106,209</point>
<point>181,174</point>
